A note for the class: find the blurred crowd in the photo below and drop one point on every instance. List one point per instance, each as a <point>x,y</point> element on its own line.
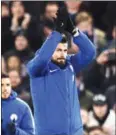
<point>26,25</point>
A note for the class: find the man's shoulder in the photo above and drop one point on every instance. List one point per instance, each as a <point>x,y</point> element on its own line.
<point>21,103</point>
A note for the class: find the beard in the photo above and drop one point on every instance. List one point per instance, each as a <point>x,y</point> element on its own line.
<point>61,62</point>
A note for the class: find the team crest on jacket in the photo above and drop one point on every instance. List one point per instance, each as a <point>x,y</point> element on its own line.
<point>13,117</point>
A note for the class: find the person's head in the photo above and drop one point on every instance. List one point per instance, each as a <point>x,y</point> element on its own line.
<point>15,78</point>
<point>73,4</point>
<point>84,116</point>
<point>95,130</point>
<point>5,86</point>
<point>60,54</point>
<point>100,105</point>
<point>17,8</point>
<point>21,42</point>
<point>84,21</point>
<point>13,62</point>
<point>4,9</point>
<point>51,9</point>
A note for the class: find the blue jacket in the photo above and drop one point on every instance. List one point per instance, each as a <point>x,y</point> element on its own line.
<point>54,91</point>
<point>24,122</point>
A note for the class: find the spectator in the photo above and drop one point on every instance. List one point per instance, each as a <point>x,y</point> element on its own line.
<point>47,20</point>
<point>14,62</point>
<point>50,21</point>
<point>16,81</point>
<point>103,73</point>
<point>20,19</point>
<point>21,48</point>
<point>20,86</point>
<point>16,115</point>
<point>6,37</point>
<point>23,21</point>
<point>84,21</point>
<point>101,115</point>
<point>96,130</point>
<point>51,9</point>
<point>3,66</point>
<point>73,8</point>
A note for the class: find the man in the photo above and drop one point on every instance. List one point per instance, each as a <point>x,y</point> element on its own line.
<point>103,73</point>
<point>54,92</point>
<point>21,48</point>
<point>51,9</point>
<point>84,21</point>
<point>101,115</point>
<point>16,115</point>
<point>21,86</point>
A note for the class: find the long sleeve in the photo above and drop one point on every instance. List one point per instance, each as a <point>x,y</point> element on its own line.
<point>27,126</point>
<point>86,52</point>
<point>43,56</point>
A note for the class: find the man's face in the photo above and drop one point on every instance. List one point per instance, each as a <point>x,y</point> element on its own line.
<point>51,10</point>
<point>15,78</point>
<point>60,54</point>
<point>6,87</point>
<point>100,111</point>
<point>21,43</point>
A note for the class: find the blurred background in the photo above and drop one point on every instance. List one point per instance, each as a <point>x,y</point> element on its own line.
<point>25,25</point>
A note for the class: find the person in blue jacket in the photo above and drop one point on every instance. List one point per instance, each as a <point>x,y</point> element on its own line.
<point>53,84</point>
<point>16,115</point>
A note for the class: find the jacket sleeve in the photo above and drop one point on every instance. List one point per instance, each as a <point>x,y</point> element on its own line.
<point>43,56</point>
<point>27,126</point>
<point>86,52</point>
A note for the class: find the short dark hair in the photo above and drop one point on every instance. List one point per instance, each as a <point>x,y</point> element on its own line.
<point>4,76</point>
